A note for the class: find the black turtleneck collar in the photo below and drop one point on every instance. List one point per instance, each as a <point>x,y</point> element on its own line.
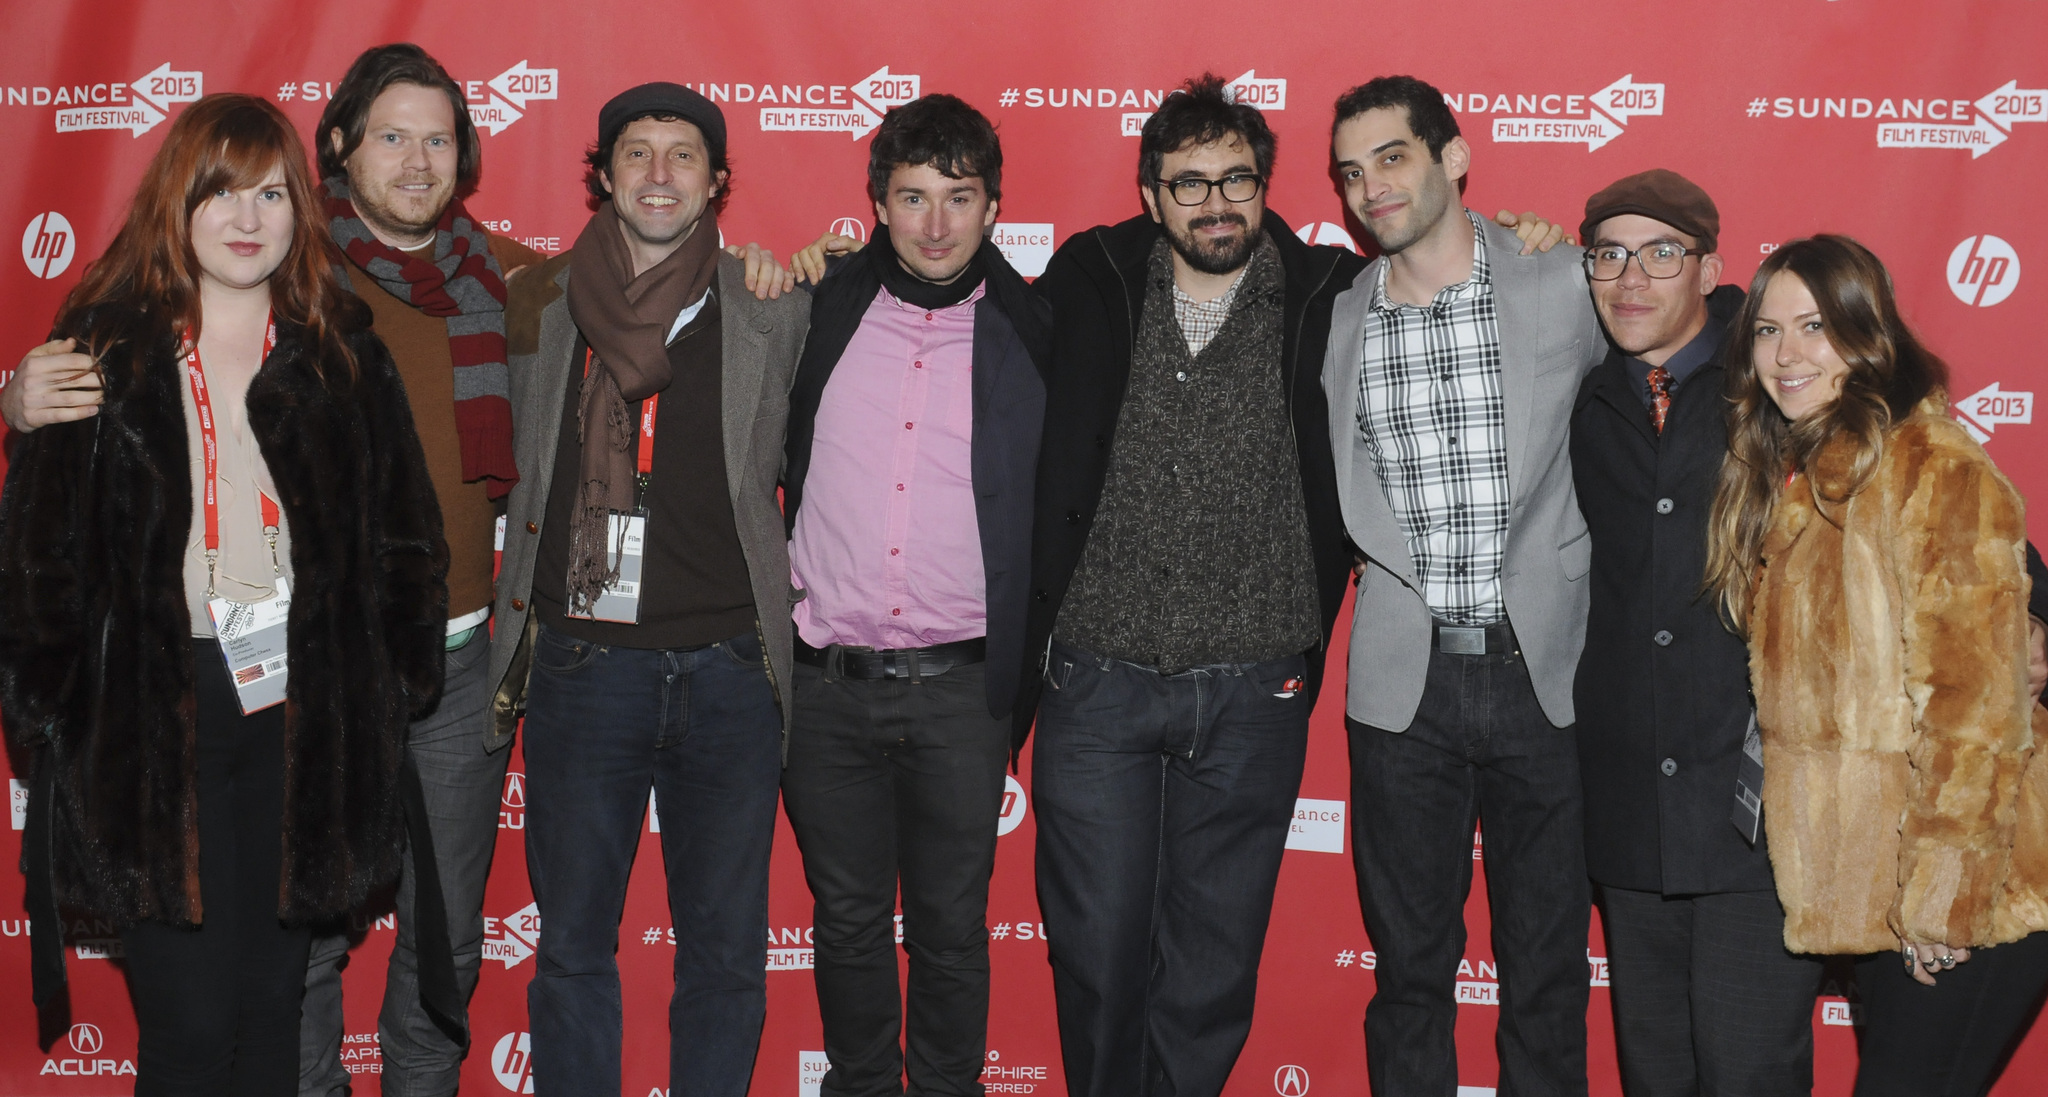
<point>911,289</point>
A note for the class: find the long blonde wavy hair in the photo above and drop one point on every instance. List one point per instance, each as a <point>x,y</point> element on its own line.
<point>1890,371</point>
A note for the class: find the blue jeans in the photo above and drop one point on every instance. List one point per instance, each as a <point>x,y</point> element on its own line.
<point>463,784</point>
<point>701,727</point>
<point>1163,807</point>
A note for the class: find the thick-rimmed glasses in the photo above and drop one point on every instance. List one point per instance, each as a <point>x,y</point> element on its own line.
<point>1193,192</point>
<point>1658,258</point>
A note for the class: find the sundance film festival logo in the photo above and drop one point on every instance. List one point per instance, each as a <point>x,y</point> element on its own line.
<point>1978,126</point>
<point>512,1062</point>
<point>1137,104</point>
<point>137,106</point>
<point>1562,118</point>
<point>87,1043</point>
<point>853,109</point>
<point>493,104</point>
<point>1984,411</point>
<point>513,938</point>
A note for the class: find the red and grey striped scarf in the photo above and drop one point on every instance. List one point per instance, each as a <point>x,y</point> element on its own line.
<point>464,284</point>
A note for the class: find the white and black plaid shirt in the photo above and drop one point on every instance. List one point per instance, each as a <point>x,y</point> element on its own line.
<point>1201,320</point>
<point>1430,410</point>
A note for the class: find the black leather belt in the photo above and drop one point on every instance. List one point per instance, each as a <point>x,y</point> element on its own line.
<point>911,663</point>
<point>1495,639</point>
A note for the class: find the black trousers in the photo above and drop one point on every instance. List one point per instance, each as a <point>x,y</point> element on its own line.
<point>1950,1039</point>
<point>1480,750</point>
<point>217,1007</point>
<point>893,784</point>
<point>1707,1002</point>
<point>1163,806</point>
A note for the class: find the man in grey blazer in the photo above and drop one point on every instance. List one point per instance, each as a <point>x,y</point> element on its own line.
<point>1452,365</point>
<point>644,599</point>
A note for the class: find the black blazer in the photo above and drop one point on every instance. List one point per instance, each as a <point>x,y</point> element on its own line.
<point>1096,283</point>
<point>1010,351</point>
<point>1640,703</point>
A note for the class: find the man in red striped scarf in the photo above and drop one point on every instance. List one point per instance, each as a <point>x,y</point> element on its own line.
<point>396,151</point>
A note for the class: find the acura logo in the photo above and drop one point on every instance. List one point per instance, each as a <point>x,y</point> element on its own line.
<point>1291,1081</point>
<point>851,226</point>
<point>515,790</point>
<point>86,1039</point>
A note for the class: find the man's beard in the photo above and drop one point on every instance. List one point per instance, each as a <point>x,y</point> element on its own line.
<point>1218,256</point>
<point>373,204</point>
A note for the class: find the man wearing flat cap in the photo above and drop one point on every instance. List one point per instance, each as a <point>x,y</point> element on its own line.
<point>1706,999</point>
<point>643,603</point>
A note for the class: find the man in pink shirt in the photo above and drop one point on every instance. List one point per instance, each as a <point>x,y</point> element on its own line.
<point>914,423</point>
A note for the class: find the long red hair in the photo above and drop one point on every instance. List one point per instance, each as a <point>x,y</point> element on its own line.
<point>145,287</point>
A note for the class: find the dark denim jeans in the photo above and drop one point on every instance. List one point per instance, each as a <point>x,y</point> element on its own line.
<point>462,783</point>
<point>1480,750</point>
<point>899,784</point>
<point>1163,807</point>
<point>702,729</point>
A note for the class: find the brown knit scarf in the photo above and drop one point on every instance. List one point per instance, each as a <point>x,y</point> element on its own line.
<point>625,319</point>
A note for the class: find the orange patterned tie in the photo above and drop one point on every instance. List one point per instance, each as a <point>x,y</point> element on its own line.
<point>1660,396</point>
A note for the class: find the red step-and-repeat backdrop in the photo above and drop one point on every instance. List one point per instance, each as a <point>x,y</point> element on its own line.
<point>1920,128</point>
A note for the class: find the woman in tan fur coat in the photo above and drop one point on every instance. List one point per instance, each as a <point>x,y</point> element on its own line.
<point>1875,559</point>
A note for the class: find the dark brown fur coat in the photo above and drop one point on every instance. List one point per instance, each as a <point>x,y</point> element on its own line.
<point>96,669</point>
<point>1888,654</point>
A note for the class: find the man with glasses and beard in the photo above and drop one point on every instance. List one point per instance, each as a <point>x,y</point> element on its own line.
<point>1188,562</point>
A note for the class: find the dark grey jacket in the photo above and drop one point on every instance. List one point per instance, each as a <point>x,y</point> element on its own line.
<point>761,342</point>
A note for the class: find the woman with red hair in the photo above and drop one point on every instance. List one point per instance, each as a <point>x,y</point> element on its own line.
<point>221,600</point>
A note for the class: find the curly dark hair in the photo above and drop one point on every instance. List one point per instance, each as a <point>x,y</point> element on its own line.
<point>940,130</point>
<point>1198,112</point>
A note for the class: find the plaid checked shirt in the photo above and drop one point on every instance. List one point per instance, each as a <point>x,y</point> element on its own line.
<point>1430,410</point>
<point>1201,320</point>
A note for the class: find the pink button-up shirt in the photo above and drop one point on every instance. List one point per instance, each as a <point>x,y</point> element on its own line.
<point>886,543</point>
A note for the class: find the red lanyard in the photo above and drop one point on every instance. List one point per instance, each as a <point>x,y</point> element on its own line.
<point>645,460</point>
<point>196,374</point>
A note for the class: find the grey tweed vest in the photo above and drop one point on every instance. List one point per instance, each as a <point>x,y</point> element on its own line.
<point>1200,552</point>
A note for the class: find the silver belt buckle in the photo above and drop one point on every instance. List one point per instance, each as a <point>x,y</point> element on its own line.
<point>1460,641</point>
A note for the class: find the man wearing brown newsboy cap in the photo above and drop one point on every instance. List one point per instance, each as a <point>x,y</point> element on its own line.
<point>1706,999</point>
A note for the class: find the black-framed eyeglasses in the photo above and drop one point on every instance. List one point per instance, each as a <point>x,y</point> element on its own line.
<point>1193,192</point>
<point>1658,258</point>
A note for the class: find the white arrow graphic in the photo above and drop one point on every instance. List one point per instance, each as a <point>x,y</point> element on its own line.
<point>494,116</point>
<point>1979,136</point>
<point>2013,103</point>
<point>1265,93</point>
<point>1596,129</point>
<point>1982,411</point>
<point>882,89</point>
<point>163,86</point>
<point>519,83</point>
<point>1624,99</point>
